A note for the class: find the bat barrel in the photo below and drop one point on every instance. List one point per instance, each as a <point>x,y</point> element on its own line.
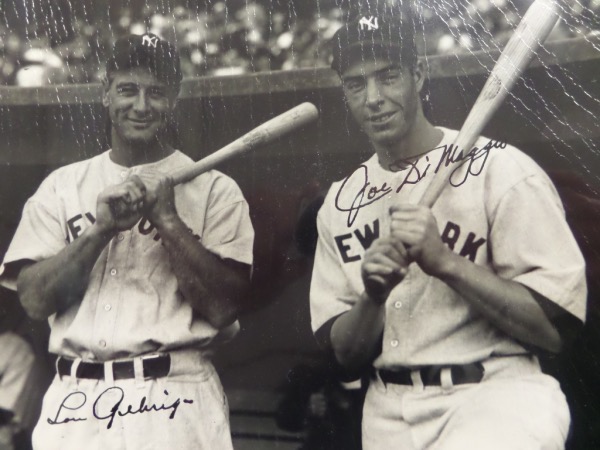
<point>532,31</point>
<point>264,134</point>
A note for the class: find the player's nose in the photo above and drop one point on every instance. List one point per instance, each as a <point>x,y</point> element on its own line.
<point>373,92</point>
<point>140,102</point>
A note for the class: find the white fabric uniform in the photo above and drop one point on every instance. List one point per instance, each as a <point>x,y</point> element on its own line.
<point>17,382</point>
<point>132,305</point>
<point>503,213</point>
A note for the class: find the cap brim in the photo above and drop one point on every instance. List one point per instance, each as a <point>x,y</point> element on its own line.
<point>364,50</point>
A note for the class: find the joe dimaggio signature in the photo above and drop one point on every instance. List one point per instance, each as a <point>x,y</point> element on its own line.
<point>474,160</point>
<point>107,406</point>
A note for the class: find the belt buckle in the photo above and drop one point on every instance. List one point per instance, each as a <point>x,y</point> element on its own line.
<point>149,359</point>
<point>152,356</point>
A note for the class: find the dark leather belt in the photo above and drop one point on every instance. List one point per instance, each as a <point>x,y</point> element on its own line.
<point>431,375</point>
<point>154,367</point>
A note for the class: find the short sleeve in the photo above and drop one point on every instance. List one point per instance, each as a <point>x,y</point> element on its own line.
<point>39,234</point>
<point>330,291</point>
<point>532,244</point>
<point>228,230</point>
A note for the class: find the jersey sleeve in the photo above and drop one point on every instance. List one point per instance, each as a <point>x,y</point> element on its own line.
<point>39,234</point>
<point>330,292</point>
<point>228,230</point>
<point>532,244</point>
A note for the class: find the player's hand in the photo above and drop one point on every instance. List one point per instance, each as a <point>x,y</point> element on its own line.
<point>159,200</point>
<point>417,228</point>
<point>384,265</point>
<point>118,207</point>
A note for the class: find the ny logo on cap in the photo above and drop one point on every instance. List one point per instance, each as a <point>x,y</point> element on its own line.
<point>150,41</point>
<point>370,23</point>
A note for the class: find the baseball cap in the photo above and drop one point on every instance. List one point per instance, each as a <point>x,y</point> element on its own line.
<point>390,37</point>
<point>146,50</point>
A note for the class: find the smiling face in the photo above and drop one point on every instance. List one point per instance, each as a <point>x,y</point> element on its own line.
<point>383,98</point>
<point>139,106</point>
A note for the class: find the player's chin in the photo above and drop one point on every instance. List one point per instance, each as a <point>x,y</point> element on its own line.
<point>143,136</point>
<point>140,140</point>
<point>384,137</point>
<point>378,132</point>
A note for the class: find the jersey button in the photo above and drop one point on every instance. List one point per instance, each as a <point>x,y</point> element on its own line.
<point>113,272</point>
<point>120,236</point>
<point>123,174</point>
<point>102,343</point>
<point>394,343</point>
<point>398,305</point>
<point>107,307</point>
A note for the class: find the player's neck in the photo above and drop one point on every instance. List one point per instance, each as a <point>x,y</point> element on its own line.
<point>129,155</point>
<point>421,138</point>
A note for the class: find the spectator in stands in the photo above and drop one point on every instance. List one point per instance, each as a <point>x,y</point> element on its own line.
<point>219,41</point>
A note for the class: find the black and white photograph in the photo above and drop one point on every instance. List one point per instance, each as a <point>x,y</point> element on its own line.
<point>299,225</point>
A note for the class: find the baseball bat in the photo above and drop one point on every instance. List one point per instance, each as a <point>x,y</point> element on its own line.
<point>532,31</point>
<point>262,135</point>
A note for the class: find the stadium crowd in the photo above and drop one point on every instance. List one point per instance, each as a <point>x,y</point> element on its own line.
<point>259,35</point>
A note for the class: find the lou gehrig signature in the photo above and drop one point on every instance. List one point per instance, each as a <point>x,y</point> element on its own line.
<point>107,406</point>
<point>474,160</point>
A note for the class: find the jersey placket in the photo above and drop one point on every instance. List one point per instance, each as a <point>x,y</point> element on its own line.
<point>110,293</point>
<point>398,321</point>
<point>400,324</point>
<point>391,341</point>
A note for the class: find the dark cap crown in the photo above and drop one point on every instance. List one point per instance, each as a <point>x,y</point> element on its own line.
<point>149,51</point>
<point>392,37</point>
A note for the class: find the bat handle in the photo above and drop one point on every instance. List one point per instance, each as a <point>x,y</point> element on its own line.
<point>117,207</point>
<point>376,285</point>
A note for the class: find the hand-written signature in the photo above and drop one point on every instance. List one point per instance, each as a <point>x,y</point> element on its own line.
<point>416,170</point>
<point>108,405</point>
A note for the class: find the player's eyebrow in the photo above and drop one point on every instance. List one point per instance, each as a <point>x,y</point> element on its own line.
<point>376,73</point>
<point>152,87</point>
<point>384,70</point>
<point>129,84</point>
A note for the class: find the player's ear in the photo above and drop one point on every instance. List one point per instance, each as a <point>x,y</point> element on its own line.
<point>105,89</point>
<point>174,101</point>
<point>418,73</point>
<point>173,96</point>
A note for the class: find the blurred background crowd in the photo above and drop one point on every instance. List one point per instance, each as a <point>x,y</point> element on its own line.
<point>64,41</point>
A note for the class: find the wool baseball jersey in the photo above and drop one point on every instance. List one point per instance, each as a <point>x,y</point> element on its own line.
<point>500,211</point>
<point>19,392</point>
<point>132,304</point>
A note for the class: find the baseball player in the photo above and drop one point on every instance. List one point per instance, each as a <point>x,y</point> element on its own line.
<point>18,400</point>
<point>139,279</point>
<point>445,307</point>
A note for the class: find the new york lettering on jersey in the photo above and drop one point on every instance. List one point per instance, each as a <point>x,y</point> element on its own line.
<point>351,245</point>
<point>78,223</point>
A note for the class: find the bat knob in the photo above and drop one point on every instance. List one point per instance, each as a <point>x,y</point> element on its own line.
<point>376,287</point>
